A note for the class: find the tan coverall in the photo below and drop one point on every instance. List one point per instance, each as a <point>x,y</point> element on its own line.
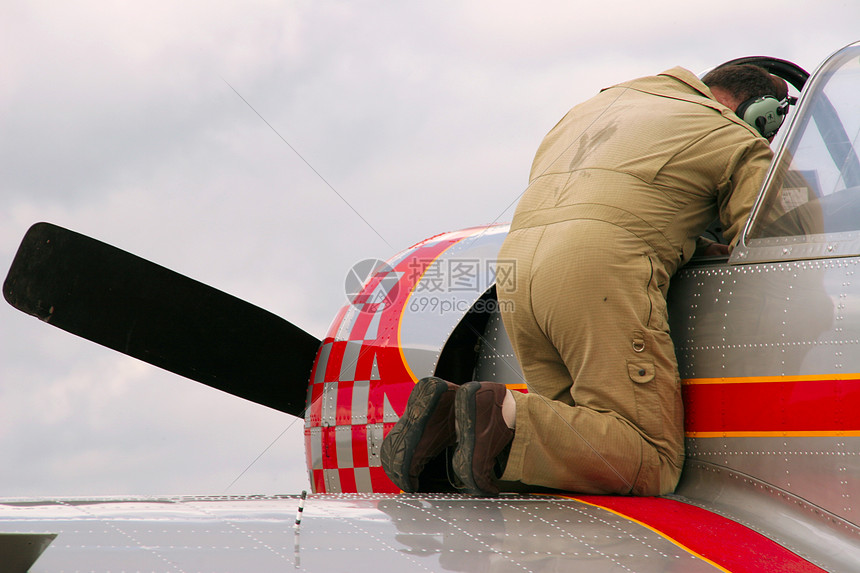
<point>619,191</point>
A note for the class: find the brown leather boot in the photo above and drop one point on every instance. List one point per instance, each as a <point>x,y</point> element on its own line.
<point>425,429</point>
<point>482,435</point>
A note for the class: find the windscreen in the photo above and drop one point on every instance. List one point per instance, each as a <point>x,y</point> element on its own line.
<point>815,189</point>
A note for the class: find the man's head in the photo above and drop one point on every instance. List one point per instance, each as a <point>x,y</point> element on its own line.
<point>750,91</point>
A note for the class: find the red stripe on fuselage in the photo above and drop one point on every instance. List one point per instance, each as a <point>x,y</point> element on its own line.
<point>723,542</point>
<point>772,406</point>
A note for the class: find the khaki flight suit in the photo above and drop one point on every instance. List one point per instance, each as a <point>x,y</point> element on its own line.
<point>619,191</point>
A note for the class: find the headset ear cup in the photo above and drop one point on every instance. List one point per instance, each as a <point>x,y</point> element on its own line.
<point>763,113</point>
<point>742,109</point>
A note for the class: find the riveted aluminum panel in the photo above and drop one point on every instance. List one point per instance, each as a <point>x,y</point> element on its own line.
<point>792,318</point>
<point>375,435</point>
<point>496,359</point>
<point>764,323</point>
<point>449,287</point>
<point>802,527</point>
<point>343,533</point>
<point>822,470</point>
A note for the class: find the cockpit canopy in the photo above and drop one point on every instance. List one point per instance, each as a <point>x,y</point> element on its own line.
<point>811,204</point>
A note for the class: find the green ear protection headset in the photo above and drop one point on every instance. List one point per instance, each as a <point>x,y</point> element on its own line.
<point>765,113</point>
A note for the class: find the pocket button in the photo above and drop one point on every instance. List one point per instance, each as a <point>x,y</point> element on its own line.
<point>641,372</point>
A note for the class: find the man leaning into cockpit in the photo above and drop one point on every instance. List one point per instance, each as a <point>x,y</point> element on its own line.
<point>619,191</point>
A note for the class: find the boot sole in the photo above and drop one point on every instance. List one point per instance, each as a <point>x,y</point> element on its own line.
<point>399,445</point>
<point>464,411</point>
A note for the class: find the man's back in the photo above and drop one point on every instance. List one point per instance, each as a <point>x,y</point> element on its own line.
<point>655,155</point>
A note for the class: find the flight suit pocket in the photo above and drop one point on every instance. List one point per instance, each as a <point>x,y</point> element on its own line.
<point>649,410</point>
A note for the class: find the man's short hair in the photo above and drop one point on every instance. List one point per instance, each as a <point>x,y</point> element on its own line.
<point>745,81</point>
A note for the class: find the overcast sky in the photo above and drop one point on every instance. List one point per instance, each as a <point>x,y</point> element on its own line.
<point>117,121</point>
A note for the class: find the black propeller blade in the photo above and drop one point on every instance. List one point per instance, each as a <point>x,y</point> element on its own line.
<point>124,302</point>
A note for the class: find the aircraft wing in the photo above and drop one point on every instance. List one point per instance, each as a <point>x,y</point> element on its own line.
<point>379,533</point>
